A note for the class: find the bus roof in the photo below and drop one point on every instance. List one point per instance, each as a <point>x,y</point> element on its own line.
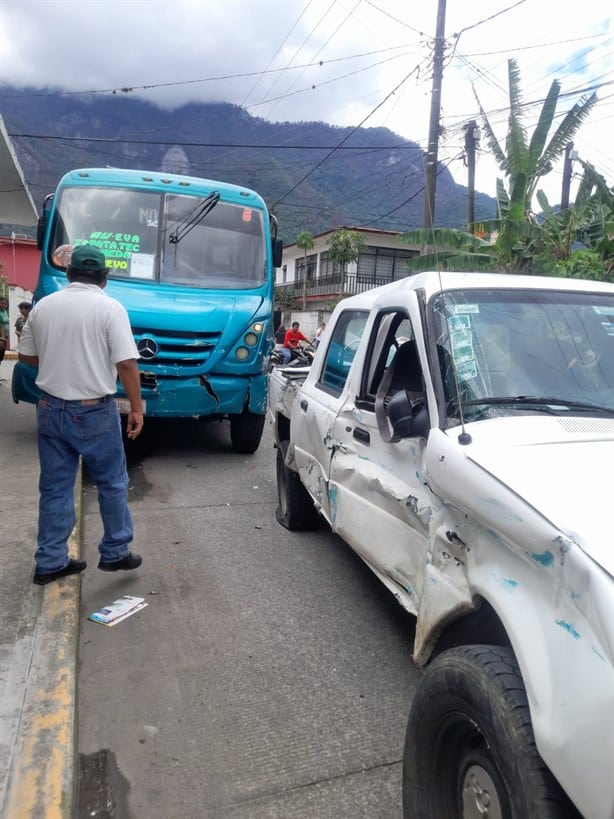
<point>159,181</point>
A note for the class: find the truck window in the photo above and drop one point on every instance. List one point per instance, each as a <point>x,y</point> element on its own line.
<point>341,350</point>
<point>390,331</point>
<point>546,345</point>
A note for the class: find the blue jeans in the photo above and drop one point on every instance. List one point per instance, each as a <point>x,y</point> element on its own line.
<point>67,430</point>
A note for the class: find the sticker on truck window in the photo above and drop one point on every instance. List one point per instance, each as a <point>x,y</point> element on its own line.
<point>459,322</point>
<point>467,370</point>
<point>462,345</point>
<point>465,308</point>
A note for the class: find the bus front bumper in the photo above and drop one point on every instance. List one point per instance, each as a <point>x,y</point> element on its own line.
<point>194,397</point>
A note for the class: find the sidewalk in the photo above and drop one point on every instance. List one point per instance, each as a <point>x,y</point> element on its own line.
<point>38,638</point>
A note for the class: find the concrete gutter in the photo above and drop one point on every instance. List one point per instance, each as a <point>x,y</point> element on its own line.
<point>43,773</point>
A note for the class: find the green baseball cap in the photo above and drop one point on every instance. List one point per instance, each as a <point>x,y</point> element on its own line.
<point>88,259</point>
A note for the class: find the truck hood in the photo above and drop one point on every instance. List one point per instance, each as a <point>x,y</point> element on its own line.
<point>563,467</point>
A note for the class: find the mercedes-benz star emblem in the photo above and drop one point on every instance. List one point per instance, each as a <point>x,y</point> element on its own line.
<point>148,348</point>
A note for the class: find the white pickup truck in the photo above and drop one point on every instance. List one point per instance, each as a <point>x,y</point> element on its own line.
<point>457,431</point>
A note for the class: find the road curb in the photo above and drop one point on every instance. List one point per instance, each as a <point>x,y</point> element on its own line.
<point>43,781</point>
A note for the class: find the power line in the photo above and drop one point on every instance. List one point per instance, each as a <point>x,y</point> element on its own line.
<point>488,19</point>
<point>126,89</point>
<point>396,19</point>
<point>60,138</point>
<point>318,52</point>
<point>345,139</point>
<point>281,45</point>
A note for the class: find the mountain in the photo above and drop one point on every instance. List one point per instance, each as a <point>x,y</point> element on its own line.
<point>379,183</point>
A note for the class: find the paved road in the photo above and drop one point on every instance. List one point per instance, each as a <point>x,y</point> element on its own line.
<point>270,675</point>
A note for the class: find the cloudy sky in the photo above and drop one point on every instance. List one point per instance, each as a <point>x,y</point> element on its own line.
<point>346,62</point>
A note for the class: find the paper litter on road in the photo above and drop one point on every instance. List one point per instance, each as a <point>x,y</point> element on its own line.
<point>118,610</point>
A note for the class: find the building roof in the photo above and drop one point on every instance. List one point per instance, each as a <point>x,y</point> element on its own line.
<point>16,204</point>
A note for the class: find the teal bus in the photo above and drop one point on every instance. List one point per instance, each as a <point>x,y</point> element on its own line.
<point>192,261</point>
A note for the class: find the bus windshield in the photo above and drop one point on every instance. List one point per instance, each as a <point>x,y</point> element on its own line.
<point>158,237</point>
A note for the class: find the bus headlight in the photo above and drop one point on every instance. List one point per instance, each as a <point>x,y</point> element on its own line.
<point>242,353</point>
<point>251,339</point>
<point>258,327</point>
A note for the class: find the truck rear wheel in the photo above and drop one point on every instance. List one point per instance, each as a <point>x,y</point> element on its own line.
<point>470,749</point>
<point>296,510</point>
<point>246,432</point>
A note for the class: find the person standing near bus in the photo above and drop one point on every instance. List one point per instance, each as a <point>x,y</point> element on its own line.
<point>81,340</point>
<point>4,328</point>
<point>24,312</point>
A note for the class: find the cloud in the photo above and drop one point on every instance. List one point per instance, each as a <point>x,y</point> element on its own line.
<point>314,59</point>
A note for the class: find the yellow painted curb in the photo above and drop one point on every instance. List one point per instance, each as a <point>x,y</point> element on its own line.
<point>43,776</point>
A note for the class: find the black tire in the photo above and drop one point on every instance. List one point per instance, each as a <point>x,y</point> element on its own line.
<point>246,431</point>
<point>296,510</point>
<point>470,743</point>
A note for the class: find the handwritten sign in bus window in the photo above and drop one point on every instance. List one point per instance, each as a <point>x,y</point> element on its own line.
<point>114,245</point>
<point>142,266</point>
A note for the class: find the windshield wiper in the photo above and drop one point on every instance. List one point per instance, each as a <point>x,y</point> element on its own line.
<point>554,404</point>
<point>195,217</point>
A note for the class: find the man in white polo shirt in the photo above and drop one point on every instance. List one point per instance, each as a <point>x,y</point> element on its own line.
<point>81,341</point>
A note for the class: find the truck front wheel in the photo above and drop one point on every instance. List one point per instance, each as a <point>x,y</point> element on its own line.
<point>246,432</point>
<point>470,750</point>
<point>296,510</point>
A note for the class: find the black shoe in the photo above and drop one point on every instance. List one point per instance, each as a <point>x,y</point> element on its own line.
<point>72,567</point>
<point>126,563</point>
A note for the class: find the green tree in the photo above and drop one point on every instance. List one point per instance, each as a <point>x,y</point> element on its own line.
<point>305,242</point>
<point>345,247</point>
<point>452,249</point>
<point>284,300</point>
<point>524,161</point>
<point>518,237</point>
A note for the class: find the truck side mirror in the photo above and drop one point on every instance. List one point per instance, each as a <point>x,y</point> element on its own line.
<point>278,249</point>
<point>408,419</point>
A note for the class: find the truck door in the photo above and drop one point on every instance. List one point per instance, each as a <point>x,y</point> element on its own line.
<point>319,402</point>
<point>382,506</point>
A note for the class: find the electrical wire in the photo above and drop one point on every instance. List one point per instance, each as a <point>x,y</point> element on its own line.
<point>345,139</point>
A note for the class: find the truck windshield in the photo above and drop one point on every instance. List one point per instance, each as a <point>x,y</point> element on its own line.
<point>178,240</point>
<point>504,351</point>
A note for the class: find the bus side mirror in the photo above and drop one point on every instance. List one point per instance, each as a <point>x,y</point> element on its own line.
<point>40,230</point>
<point>278,249</point>
<point>41,226</point>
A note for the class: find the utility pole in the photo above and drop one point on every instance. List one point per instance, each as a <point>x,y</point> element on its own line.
<point>566,175</point>
<point>430,173</point>
<point>472,138</point>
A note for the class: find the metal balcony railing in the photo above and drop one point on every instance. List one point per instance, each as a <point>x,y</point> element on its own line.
<point>347,284</point>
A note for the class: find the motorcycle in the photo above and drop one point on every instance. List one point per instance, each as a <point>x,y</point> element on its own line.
<point>301,356</point>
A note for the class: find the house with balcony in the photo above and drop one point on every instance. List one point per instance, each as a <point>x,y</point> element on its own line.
<point>383,260</point>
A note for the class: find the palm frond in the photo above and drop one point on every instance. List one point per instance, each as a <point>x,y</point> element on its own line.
<point>503,200</point>
<point>449,238</point>
<point>540,134</point>
<point>602,190</point>
<point>516,140</point>
<point>451,260</point>
<point>492,141</point>
<point>515,96</point>
<point>567,129</point>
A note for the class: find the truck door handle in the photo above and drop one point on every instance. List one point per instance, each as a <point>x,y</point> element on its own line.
<point>304,405</point>
<point>362,435</point>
